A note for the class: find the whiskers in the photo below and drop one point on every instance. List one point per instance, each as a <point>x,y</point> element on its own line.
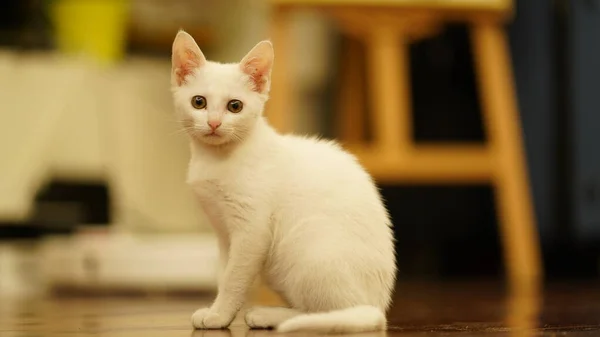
<point>229,134</point>
<point>186,127</point>
<point>239,134</point>
<point>232,133</point>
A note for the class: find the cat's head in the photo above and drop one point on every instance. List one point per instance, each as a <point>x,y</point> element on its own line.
<point>219,103</point>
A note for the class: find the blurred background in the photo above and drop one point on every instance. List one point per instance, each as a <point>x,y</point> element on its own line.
<point>93,163</point>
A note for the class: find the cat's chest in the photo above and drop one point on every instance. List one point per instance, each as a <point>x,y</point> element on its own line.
<point>231,190</point>
<point>211,191</point>
<point>216,186</point>
<point>211,185</point>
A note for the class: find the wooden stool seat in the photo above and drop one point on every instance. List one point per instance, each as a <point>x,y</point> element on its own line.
<point>387,27</point>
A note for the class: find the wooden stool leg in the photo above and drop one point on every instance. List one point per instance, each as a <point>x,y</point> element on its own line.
<point>388,67</point>
<point>280,108</point>
<point>349,119</point>
<point>515,208</point>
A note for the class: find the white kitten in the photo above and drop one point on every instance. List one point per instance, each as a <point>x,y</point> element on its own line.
<point>300,211</point>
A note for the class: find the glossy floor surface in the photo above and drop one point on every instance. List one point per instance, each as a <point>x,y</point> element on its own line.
<point>436,310</point>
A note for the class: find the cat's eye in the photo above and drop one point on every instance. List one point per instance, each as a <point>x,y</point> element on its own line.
<point>235,106</point>
<point>199,102</point>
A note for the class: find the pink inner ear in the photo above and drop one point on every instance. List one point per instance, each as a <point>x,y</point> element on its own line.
<point>257,70</point>
<point>186,57</point>
<point>186,62</point>
<point>185,65</point>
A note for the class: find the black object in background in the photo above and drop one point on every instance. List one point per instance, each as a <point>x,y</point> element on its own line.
<point>583,109</point>
<point>576,249</point>
<point>24,24</point>
<point>60,207</point>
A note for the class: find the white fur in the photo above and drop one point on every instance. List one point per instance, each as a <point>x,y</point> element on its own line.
<point>299,210</point>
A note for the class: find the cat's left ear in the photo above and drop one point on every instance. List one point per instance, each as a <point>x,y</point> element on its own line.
<point>258,64</point>
<point>186,57</point>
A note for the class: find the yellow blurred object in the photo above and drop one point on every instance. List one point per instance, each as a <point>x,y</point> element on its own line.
<point>95,28</point>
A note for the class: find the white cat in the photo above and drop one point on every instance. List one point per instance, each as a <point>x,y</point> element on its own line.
<point>300,211</point>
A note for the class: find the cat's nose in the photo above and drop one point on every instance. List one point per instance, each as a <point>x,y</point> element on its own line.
<point>214,124</point>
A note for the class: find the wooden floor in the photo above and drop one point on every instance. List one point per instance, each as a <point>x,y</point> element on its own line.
<point>465,310</point>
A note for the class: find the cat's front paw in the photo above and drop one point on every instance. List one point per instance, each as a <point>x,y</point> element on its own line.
<point>213,320</point>
<point>198,318</point>
<point>255,320</point>
<point>206,319</point>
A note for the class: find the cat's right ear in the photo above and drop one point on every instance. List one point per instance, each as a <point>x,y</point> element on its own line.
<point>257,65</point>
<point>186,57</point>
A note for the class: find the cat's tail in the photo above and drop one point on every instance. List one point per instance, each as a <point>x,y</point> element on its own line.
<point>361,318</point>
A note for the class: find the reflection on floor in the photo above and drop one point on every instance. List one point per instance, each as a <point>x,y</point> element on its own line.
<point>474,309</point>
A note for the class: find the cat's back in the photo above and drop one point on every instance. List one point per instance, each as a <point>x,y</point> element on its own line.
<point>321,161</point>
<point>312,150</point>
<point>328,200</point>
<point>321,177</point>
